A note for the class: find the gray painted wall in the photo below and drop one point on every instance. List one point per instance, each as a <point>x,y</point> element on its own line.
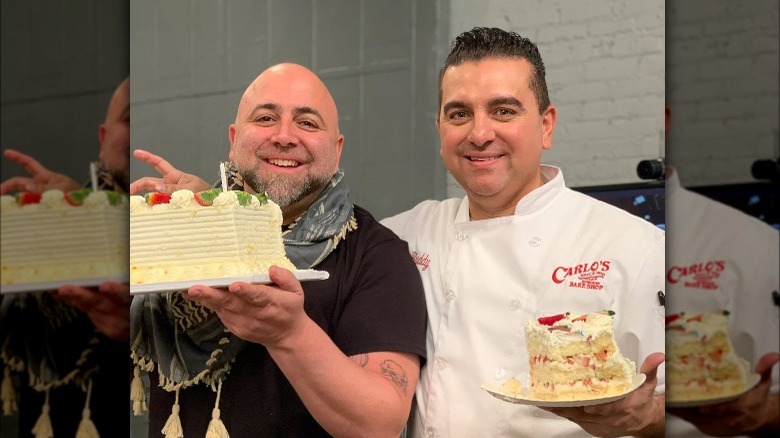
<point>192,60</point>
<point>61,61</point>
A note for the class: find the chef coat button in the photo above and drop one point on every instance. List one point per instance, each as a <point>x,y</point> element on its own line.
<point>461,235</point>
<point>450,295</point>
<point>535,241</point>
<point>499,373</point>
<point>515,305</point>
<point>440,364</point>
<point>430,432</point>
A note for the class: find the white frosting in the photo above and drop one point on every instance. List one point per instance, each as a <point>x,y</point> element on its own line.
<point>53,198</point>
<point>226,199</point>
<point>183,199</point>
<point>576,358</point>
<point>138,203</point>
<point>8,203</point>
<point>182,241</point>
<point>701,362</point>
<point>52,240</point>
<point>96,199</point>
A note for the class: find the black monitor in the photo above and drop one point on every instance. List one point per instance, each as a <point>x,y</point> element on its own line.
<point>643,199</point>
<point>757,199</point>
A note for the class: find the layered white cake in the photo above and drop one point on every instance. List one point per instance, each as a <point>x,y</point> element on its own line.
<point>209,234</point>
<point>575,357</point>
<point>63,236</point>
<point>700,360</point>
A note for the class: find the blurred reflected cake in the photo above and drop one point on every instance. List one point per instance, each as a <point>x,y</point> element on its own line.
<point>700,360</point>
<point>209,234</point>
<point>57,236</point>
<point>575,357</point>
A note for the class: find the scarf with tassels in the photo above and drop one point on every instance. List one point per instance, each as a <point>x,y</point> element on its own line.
<point>53,342</point>
<point>189,344</point>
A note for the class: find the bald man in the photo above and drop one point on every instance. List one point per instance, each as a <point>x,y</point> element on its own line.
<point>49,335</point>
<point>335,357</point>
<point>114,154</point>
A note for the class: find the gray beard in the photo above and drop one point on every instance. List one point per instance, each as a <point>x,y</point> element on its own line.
<point>282,190</point>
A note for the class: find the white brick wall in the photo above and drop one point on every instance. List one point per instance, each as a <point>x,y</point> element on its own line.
<point>722,80</point>
<point>605,74</point>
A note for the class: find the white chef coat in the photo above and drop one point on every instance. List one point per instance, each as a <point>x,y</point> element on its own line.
<point>561,251</point>
<point>721,258</point>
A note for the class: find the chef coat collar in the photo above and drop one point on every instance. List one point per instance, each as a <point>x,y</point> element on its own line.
<point>537,199</point>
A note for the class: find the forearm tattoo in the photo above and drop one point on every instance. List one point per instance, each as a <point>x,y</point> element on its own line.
<point>395,373</point>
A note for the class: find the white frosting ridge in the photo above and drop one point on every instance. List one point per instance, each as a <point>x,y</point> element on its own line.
<point>52,240</point>
<point>183,240</point>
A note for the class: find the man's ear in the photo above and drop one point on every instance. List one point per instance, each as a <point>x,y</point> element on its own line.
<point>548,125</point>
<point>231,137</point>
<point>101,139</point>
<point>339,146</point>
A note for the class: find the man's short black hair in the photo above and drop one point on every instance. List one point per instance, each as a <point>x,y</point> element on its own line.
<point>491,42</point>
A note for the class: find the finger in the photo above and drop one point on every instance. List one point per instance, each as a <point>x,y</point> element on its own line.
<point>285,279</point>
<point>765,364</point>
<point>162,166</point>
<point>18,183</point>
<point>254,294</point>
<point>80,297</point>
<point>650,366</point>
<point>149,183</point>
<point>115,291</point>
<point>30,164</point>
<point>215,299</point>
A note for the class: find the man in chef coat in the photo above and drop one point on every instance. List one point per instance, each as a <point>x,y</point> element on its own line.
<point>745,254</point>
<point>521,245</point>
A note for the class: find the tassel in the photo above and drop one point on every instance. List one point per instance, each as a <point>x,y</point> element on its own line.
<point>8,395</point>
<point>216,427</point>
<point>42,428</point>
<point>87,428</point>
<point>172,428</point>
<point>137,394</point>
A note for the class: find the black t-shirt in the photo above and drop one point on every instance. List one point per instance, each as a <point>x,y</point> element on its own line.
<point>373,301</point>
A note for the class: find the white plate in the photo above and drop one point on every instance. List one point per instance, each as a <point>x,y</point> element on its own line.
<point>177,286</point>
<point>752,380</point>
<point>54,285</point>
<point>525,399</point>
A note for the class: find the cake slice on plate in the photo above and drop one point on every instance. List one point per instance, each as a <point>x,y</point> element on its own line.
<point>209,234</point>
<point>575,357</point>
<point>700,360</point>
<point>61,236</point>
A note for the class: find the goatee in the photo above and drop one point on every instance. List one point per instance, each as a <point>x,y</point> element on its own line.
<point>281,189</point>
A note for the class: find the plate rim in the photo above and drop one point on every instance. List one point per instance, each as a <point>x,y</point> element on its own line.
<point>176,286</point>
<point>752,380</point>
<point>50,286</point>
<point>636,380</point>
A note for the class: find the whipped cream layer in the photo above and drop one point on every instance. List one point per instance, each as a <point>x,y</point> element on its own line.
<point>53,240</point>
<point>576,358</point>
<point>183,240</point>
<point>700,360</point>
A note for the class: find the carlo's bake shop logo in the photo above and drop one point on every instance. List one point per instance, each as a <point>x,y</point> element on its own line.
<point>584,275</point>
<point>421,259</point>
<point>700,275</point>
